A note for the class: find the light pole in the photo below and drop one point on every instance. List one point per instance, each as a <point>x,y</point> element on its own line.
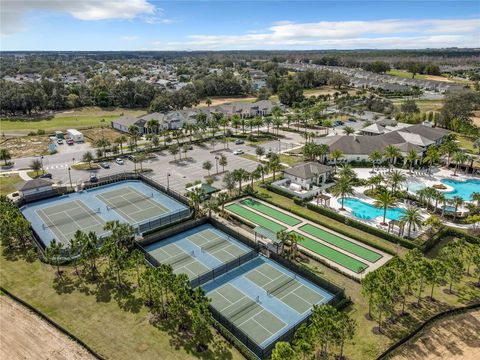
<point>41,162</point>
<point>168,181</point>
<point>70,177</point>
<point>216,162</point>
<point>279,146</point>
<point>73,161</point>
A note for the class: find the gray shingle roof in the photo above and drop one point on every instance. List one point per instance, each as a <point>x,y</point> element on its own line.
<point>308,170</point>
<point>33,184</point>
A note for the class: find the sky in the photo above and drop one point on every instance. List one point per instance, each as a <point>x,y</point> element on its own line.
<point>88,25</point>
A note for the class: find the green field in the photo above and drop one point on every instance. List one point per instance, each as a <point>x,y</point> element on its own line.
<point>255,218</point>
<point>406,74</point>
<point>78,119</point>
<point>267,210</point>
<point>7,183</point>
<point>331,254</point>
<point>342,243</point>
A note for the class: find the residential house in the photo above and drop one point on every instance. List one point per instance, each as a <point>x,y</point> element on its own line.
<point>308,174</point>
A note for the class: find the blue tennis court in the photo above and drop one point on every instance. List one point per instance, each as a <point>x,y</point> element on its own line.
<point>263,299</point>
<point>132,202</point>
<point>202,253</point>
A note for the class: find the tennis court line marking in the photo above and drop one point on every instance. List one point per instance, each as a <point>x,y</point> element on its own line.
<point>252,318</point>
<point>224,248</point>
<point>291,292</point>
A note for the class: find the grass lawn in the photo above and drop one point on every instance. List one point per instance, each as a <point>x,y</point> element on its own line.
<point>424,105</point>
<point>290,160</point>
<point>466,142</point>
<point>250,157</point>
<point>309,214</point>
<point>85,166</point>
<point>78,119</point>
<point>406,74</point>
<point>7,183</point>
<point>113,323</point>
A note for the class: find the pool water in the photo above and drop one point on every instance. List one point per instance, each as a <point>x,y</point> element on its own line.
<point>464,189</point>
<point>363,210</point>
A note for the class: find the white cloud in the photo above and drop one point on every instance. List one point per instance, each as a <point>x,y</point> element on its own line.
<point>391,33</point>
<point>14,11</point>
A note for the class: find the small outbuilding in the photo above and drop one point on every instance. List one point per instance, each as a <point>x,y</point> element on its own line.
<point>35,188</point>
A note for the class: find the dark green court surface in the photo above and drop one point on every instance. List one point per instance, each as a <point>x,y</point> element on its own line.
<point>267,210</point>
<point>255,218</point>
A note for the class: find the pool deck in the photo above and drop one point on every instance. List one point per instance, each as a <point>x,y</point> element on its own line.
<point>371,266</point>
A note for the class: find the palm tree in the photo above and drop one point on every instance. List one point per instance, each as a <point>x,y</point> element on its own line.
<point>36,166</point>
<point>412,217</point>
<point>223,162</point>
<point>208,102</point>
<point>152,125</point>
<point>396,178</point>
<point>274,165</point>
<point>434,223</point>
<point>449,147</point>
<point>342,189</point>
<point>196,196</point>
<point>5,155</point>
<point>348,130</point>
<point>262,170</point>
<point>475,197</point>
<point>103,143</point>
<point>134,133</point>
<point>392,153</point>
<point>240,175</point>
<point>120,141</point>
<point>459,158</point>
<point>185,149</point>
<point>375,157</point>
<point>174,151</point>
<point>88,157</point>
<point>236,122</point>
<point>432,157</point>
<point>456,201</point>
<point>336,155</point>
<point>375,181</point>
<point>385,200</point>
<point>294,239</point>
<point>222,198</point>
<point>322,151</point>
<point>411,158</point>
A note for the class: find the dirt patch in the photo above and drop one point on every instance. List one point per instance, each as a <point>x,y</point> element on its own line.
<point>476,118</point>
<point>26,145</point>
<point>94,134</point>
<point>224,100</point>
<point>438,78</point>
<point>450,338</point>
<point>26,336</point>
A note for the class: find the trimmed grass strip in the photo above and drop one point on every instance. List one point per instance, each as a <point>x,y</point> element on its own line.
<point>332,254</point>
<point>341,242</point>
<point>255,218</point>
<point>267,210</point>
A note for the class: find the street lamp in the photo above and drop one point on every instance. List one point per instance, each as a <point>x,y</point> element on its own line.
<point>168,181</point>
<point>70,177</point>
<point>41,162</point>
<point>73,161</point>
<point>216,162</point>
<point>279,146</point>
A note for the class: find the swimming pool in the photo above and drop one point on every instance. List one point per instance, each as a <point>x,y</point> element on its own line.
<point>363,210</point>
<point>464,189</point>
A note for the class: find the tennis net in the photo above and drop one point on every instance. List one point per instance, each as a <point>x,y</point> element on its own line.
<point>214,244</point>
<point>282,285</point>
<point>244,309</point>
<point>115,204</point>
<point>180,259</point>
<point>69,217</point>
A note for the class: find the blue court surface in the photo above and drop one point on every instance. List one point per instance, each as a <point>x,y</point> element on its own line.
<point>133,202</point>
<point>264,300</point>
<point>202,253</point>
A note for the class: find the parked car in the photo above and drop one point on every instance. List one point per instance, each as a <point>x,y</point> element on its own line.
<point>59,141</point>
<point>119,161</point>
<point>70,142</point>
<point>93,178</point>
<point>239,142</point>
<point>238,152</point>
<point>105,165</point>
<point>352,120</point>
<point>132,158</point>
<point>46,176</point>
